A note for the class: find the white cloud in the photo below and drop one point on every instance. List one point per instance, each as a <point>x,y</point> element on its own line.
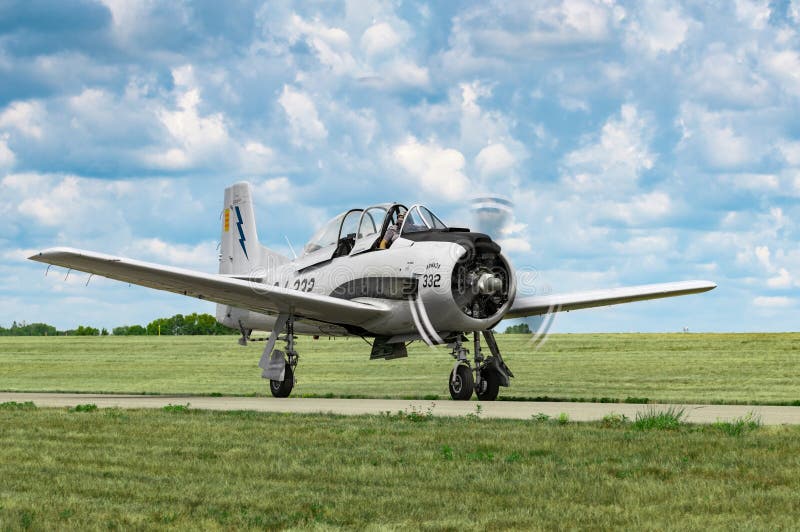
<point>437,170</point>
<point>615,159</point>
<point>790,150</point>
<point>256,157</point>
<point>794,11</point>
<point>82,211</point>
<point>785,66</point>
<point>570,103</point>
<point>271,191</point>
<point>202,256</point>
<point>645,245</point>
<point>782,280</point>
<point>514,245</point>
<point>550,23</point>
<point>25,117</point>
<point>379,39</point>
<point>408,73</point>
<point>481,127</point>
<point>763,255</point>
<point>7,157</point>
<point>55,207</point>
<point>486,37</point>
<point>729,77</point>
<point>494,159</point>
<point>128,15</point>
<point>659,27</point>
<point>754,13</point>
<point>762,182</point>
<point>194,138</point>
<point>771,263</point>
<point>718,136</point>
<point>773,301</point>
<point>640,208</point>
<point>330,44</point>
<point>304,121</point>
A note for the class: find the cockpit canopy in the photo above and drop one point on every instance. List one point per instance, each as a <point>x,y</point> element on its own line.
<point>362,228</point>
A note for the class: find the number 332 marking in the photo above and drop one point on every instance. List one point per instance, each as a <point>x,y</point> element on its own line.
<point>431,280</point>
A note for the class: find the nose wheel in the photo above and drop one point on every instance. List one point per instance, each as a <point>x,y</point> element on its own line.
<point>488,386</point>
<point>461,383</point>
<point>487,375</point>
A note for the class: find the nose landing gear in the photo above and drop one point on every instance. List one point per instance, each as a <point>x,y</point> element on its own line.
<point>489,373</point>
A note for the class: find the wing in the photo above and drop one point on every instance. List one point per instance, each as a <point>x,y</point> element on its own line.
<point>227,290</point>
<point>535,305</point>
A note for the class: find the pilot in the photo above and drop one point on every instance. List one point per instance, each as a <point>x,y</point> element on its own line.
<point>392,232</point>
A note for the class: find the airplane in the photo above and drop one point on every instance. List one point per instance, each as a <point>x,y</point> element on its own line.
<point>434,283</point>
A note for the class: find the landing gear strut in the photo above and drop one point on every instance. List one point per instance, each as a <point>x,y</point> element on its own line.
<point>279,366</point>
<point>245,334</point>
<point>490,373</point>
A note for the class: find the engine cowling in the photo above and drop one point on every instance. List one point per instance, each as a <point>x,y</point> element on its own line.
<point>478,285</point>
<point>482,282</point>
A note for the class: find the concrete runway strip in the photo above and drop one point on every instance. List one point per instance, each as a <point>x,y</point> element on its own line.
<point>769,415</point>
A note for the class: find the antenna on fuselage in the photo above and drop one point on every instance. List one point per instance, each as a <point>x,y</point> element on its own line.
<point>290,246</point>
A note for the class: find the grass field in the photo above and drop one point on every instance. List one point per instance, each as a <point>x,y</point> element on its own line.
<point>726,368</point>
<point>111,469</point>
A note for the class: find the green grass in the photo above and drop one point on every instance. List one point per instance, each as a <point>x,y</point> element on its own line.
<point>191,469</point>
<point>707,368</point>
<point>655,418</point>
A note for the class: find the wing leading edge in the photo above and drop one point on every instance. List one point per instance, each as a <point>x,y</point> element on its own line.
<point>537,305</point>
<point>239,293</point>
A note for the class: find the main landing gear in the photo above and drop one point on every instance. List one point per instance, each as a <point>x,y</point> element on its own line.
<point>279,366</point>
<point>489,373</point>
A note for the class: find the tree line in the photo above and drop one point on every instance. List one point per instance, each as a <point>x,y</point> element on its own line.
<point>191,324</point>
<point>521,328</point>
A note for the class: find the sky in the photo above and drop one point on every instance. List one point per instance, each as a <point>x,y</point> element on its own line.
<point>640,142</point>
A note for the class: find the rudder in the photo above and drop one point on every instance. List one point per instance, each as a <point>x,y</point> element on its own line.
<point>240,251</point>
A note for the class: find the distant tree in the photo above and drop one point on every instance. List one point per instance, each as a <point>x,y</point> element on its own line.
<point>136,330</point>
<point>104,332</point>
<point>129,330</point>
<point>31,329</point>
<point>520,328</point>
<point>191,324</point>
<point>86,331</point>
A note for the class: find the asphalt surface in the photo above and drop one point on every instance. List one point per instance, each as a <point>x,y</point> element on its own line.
<point>769,415</point>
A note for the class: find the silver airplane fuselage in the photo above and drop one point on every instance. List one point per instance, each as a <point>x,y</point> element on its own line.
<point>415,279</point>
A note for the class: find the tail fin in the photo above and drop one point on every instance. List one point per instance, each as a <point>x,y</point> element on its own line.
<point>240,250</point>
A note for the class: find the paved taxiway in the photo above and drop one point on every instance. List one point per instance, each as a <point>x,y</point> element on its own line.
<point>769,415</point>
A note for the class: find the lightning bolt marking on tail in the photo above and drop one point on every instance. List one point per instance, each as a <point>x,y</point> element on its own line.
<point>239,224</point>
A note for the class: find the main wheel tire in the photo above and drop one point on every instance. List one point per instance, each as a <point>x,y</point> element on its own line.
<point>283,388</point>
<point>462,383</point>
<point>489,386</point>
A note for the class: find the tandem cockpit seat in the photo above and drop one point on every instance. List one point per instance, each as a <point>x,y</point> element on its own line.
<point>362,230</point>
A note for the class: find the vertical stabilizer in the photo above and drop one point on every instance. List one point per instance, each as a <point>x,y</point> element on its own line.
<point>240,252</point>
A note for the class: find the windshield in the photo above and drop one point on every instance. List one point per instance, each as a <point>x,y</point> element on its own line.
<point>420,218</point>
<point>350,223</point>
<point>327,235</point>
<point>371,221</point>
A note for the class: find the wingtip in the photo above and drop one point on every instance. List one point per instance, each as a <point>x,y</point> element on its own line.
<point>49,253</point>
<point>707,285</point>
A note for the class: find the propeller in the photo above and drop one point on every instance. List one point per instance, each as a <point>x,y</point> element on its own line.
<point>493,214</point>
